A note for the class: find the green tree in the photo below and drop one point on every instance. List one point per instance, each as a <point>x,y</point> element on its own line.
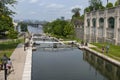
<point>109,5</point>
<point>4,9</point>
<point>117,3</point>
<point>95,5</point>
<point>87,9</point>
<point>58,27</point>
<point>76,12</point>
<point>6,23</point>
<point>23,26</point>
<point>68,30</point>
<point>12,34</point>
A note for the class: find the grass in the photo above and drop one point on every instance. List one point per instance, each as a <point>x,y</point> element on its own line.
<point>114,50</point>
<point>8,47</point>
<point>66,38</point>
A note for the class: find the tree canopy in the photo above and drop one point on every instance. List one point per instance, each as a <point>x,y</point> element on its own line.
<point>109,5</point>
<point>6,23</point>
<point>59,27</point>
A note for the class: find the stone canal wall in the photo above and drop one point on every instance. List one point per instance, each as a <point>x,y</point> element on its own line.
<point>117,63</point>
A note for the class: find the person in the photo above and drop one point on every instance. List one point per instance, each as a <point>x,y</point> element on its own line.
<point>9,65</point>
<point>4,60</point>
<point>103,49</point>
<point>86,44</point>
<point>107,48</point>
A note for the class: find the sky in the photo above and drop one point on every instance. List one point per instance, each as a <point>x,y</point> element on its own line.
<point>48,10</point>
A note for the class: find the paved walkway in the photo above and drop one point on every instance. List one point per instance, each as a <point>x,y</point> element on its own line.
<point>18,59</point>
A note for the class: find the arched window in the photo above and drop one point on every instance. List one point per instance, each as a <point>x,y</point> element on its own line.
<point>101,22</point>
<point>94,22</point>
<point>88,22</point>
<point>111,22</point>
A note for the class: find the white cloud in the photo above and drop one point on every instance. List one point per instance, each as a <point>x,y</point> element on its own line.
<point>42,4</point>
<point>33,1</point>
<point>53,5</point>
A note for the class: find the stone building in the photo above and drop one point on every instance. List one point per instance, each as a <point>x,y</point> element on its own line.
<point>79,29</point>
<point>103,26</point>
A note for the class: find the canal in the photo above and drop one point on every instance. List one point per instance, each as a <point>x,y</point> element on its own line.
<point>70,64</point>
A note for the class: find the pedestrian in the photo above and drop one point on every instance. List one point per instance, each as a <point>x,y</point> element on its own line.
<point>107,48</point>
<point>9,65</point>
<point>86,44</point>
<point>4,60</point>
<point>103,49</point>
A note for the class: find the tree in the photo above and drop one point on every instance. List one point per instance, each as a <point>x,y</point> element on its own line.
<point>109,5</point>
<point>95,4</point>
<point>6,23</point>
<point>68,30</point>
<point>87,9</point>
<point>4,10</point>
<point>76,12</point>
<point>117,3</point>
<point>23,26</point>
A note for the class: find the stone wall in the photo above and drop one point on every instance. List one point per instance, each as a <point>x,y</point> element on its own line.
<point>79,33</point>
<point>102,21</point>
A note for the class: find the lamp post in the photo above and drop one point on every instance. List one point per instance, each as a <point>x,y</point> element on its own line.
<point>24,42</point>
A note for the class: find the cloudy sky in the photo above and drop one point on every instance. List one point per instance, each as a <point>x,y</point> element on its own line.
<point>48,9</point>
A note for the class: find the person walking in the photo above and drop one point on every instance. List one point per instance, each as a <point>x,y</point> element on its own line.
<point>107,48</point>
<point>4,62</point>
<point>103,49</point>
<point>9,65</point>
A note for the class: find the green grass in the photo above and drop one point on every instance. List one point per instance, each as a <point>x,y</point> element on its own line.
<point>8,47</point>
<point>66,38</point>
<point>114,51</point>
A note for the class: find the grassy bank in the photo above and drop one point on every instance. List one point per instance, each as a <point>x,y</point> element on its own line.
<point>8,47</point>
<point>113,52</point>
<point>65,38</point>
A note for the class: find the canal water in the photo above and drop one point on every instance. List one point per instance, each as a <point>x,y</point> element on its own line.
<point>71,64</point>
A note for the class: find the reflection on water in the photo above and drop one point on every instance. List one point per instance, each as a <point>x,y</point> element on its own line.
<point>67,64</point>
<point>105,68</point>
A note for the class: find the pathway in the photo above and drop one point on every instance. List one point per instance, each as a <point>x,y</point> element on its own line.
<point>18,59</point>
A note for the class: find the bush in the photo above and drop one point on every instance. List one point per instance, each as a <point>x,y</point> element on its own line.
<point>12,34</point>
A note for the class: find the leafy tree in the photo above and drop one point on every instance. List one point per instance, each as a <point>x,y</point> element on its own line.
<point>59,27</point>
<point>87,9</point>
<point>109,5</point>
<point>117,3</point>
<point>12,34</point>
<point>4,10</point>
<point>68,30</point>
<point>6,23</point>
<point>94,5</point>
<point>76,12</point>
<point>23,26</point>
